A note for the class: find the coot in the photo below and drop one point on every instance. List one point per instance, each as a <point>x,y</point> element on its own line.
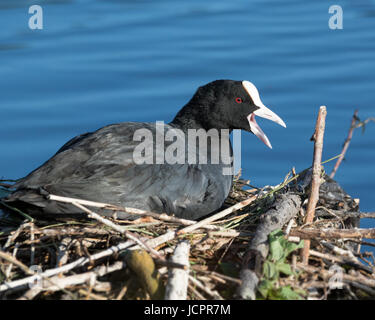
<point>126,163</point>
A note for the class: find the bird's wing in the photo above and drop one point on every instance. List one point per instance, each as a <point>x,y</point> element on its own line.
<point>99,166</point>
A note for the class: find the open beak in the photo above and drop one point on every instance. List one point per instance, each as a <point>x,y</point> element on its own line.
<point>262,112</point>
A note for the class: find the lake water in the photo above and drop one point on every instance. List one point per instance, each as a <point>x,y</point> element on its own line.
<point>98,62</point>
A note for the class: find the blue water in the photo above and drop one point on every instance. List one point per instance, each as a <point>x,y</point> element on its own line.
<point>98,62</point>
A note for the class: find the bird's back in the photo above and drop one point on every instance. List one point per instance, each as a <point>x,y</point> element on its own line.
<point>100,166</point>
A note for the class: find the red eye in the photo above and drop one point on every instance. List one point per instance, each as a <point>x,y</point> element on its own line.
<point>238,100</point>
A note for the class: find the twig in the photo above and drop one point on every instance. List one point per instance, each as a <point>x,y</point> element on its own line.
<point>217,216</point>
<point>224,253</point>
<point>71,231</point>
<point>341,260</point>
<point>361,286</point>
<point>9,269</point>
<point>13,260</point>
<point>159,216</point>
<point>59,283</point>
<point>363,243</point>
<point>13,236</point>
<point>155,242</point>
<point>114,226</point>
<point>364,122</point>
<point>230,233</point>
<point>289,226</point>
<point>316,173</point>
<point>198,284</point>
<point>344,214</point>
<point>91,296</point>
<point>216,274</point>
<point>21,283</point>
<point>173,234</point>
<point>62,251</point>
<point>32,246</point>
<point>327,274</point>
<point>124,289</point>
<point>346,144</point>
<point>341,251</point>
<point>178,279</point>
<point>196,292</point>
<point>333,233</point>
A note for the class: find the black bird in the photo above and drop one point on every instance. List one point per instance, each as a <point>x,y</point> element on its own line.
<point>101,166</point>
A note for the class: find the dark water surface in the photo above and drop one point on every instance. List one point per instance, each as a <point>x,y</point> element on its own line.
<point>98,62</point>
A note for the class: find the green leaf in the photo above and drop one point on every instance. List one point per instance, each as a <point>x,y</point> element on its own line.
<point>275,235</point>
<point>284,268</point>
<point>265,287</point>
<point>276,251</point>
<point>269,270</point>
<point>288,293</point>
<point>290,247</point>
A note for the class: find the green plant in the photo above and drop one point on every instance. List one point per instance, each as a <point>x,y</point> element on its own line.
<point>275,265</point>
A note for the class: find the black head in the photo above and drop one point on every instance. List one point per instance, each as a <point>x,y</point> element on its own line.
<point>226,104</point>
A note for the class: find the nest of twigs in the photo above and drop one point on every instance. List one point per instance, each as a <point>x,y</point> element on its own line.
<point>89,258</point>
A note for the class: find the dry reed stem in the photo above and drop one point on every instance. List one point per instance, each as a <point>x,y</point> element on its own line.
<point>217,216</point>
<point>114,226</point>
<point>327,274</point>
<point>13,260</point>
<point>213,294</point>
<point>159,216</point>
<point>14,285</point>
<point>9,269</point>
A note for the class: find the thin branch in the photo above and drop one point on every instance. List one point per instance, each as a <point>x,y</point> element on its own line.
<point>13,236</point>
<point>32,246</point>
<point>217,216</point>
<point>173,234</point>
<point>63,251</point>
<point>139,212</point>
<point>57,283</point>
<point>355,123</point>
<point>328,274</point>
<point>333,233</point>
<point>346,144</point>
<point>22,283</point>
<point>114,226</point>
<point>316,173</point>
<point>8,257</point>
<point>9,269</point>
<point>344,214</point>
<point>213,294</point>
<point>216,274</point>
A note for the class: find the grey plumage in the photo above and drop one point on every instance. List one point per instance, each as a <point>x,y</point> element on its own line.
<point>99,166</point>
